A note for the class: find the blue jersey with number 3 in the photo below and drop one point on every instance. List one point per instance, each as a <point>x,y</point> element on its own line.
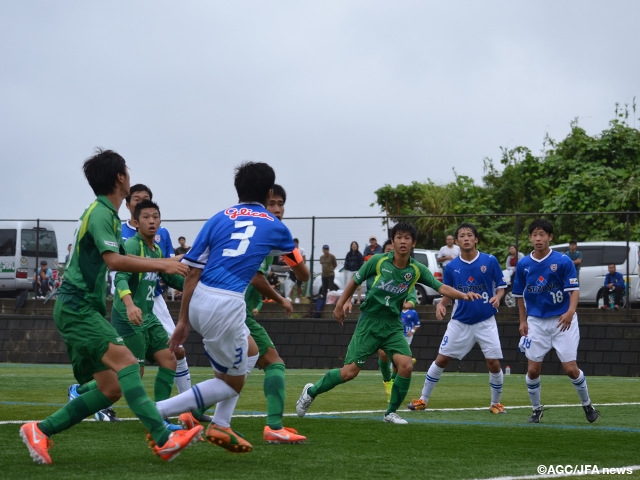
<point>546,284</point>
<point>481,275</point>
<point>233,243</point>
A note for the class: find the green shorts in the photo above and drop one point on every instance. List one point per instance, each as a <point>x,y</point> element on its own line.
<point>373,334</point>
<point>87,335</point>
<point>260,335</point>
<point>146,343</point>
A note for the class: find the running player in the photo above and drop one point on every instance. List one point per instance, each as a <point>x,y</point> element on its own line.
<point>269,359</point>
<point>471,322</point>
<point>224,258</point>
<point>94,347</point>
<point>379,326</point>
<point>547,289</point>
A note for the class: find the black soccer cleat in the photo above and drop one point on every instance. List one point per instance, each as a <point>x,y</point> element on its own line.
<point>536,416</point>
<point>591,413</point>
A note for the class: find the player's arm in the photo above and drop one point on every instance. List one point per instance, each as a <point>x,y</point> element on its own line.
<point>174,281</point>
<point>260,282</point>
<point>344,303</point>
<point>564,321</point>
<point>128,263</point>
<point>296,262</point>
<point>522,312</point>
<point>123,290</point>
<point>183,326</point>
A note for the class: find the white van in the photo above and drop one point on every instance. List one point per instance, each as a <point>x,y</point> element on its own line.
<point>596,258</point>
<point>23,245</point>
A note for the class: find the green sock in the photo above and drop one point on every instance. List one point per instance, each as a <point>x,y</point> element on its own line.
<point>330,380</point>
<point>275,394</point>
<point>394,374</point>
<point>164,384</point>
<point>398,392</point>
<point>87,387</point>
<point>384,369</point>
<point>74,412</point>
<point>143,407</point>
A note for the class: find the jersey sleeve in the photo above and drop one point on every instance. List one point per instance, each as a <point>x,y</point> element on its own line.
<point>427,278</point>
<point>367,270</point>
<point>104,231</point>
<point>131,247</point>
<point>498,276</point>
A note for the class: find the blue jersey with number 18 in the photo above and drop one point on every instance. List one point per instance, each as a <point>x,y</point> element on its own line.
<point>233,243</point>
<point>545,284</point>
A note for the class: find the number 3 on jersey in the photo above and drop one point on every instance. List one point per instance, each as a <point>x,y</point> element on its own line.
<point>243,236</point>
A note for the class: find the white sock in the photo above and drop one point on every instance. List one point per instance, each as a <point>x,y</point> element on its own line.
<point>580,384</point>
<point>433,376</point>
<point>533,387</point>
<point>183,378</point>
<point>224,410</point>
<point>201,395</point>
<point>495,382</point>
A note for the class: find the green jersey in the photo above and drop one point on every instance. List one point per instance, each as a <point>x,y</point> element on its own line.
<point>141,287</point>
<point>252,297</point>
<point>85,278</point>
<point>391,285</point>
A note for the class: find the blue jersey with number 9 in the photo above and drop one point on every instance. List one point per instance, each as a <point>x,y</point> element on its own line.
<point>233,243</point>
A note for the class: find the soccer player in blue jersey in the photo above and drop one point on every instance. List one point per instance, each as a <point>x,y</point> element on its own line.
<point>224,258</point>
<point>379,325</point>
<point>471,322</point>
<point>546,286</point>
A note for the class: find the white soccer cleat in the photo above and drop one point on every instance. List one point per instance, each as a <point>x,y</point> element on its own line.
<point>303,403</point>
<point>393,417</point>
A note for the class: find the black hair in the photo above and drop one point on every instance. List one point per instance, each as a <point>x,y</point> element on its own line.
<point>278,191</point>
<point>253,180</point>
<point>102,170</point>
<point>404,227</point>
<point>139,187</point>
<point>182,238</point>
<point>541,223</point>
<point>467,226</point>
<point>142,205</point>
<point>388,241</point>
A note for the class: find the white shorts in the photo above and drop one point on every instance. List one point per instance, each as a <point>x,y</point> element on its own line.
<point>161,311</point>
<point>410,339</point>
<point>460,338</point>
<point>219,316</point>
<point>544,335</point>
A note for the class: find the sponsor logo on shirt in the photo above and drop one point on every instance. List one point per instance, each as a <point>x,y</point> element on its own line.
<point>573,281</point>
<point>391,288</point>
<point>234,213</point>
<point>151,276</point>
<point>110,244</point>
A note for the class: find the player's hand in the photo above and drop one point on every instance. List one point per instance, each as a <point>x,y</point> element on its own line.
<point>180,335</point>
<point>339,313</point>
<point>171,267</point>
<point>441,311</point>
<point>524,328</point>
<point>178,257</point>
<point>471,296</point>
<point>134,314</point>
<point>287,305</point>
<point>494,301</point>
<point>564,321</point>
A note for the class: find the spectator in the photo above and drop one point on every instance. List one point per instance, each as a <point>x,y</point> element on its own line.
<point>183,248</point>
<point>353,260</point>
<point>448,252</point>
<point>329,264</point>
<point>372,248</point>
<point>513,259</point>
<point>66,258</point>
<point>575,255</point>
<point>43,280</point>
<point>273,280</point>
<point>613,285</point>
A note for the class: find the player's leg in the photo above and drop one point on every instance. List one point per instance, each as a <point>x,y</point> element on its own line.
<point>183,377</point>
<point>536,347</point>
<point>486,335</point>
<point>566,345</point>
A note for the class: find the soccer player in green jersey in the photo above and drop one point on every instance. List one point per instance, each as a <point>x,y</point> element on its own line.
<point>132,314</point>
<point>379,326</point>
<point>95,349</point>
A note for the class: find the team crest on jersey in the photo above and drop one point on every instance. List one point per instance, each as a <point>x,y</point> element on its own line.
<point>408,276</point>
<point>554,267</point>
<point>483,269</point>
<point>234,213</point>
<point>156,239</point>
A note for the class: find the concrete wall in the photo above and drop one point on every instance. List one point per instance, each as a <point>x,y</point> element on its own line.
<point>610,341</point>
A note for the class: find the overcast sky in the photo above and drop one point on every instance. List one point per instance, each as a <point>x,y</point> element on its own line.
<point>340,97</point>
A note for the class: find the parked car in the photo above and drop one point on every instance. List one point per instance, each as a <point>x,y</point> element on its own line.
<point>596,257</point>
